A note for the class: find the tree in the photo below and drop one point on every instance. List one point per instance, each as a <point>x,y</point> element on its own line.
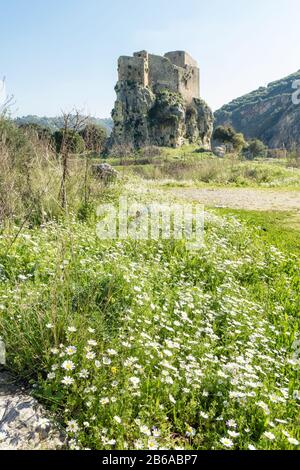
<point>224,134</point>
<point>16,159</point>
<point>239,142</point>
<point>255,149</point>
<point>227,135</point>
<point>94,137</point>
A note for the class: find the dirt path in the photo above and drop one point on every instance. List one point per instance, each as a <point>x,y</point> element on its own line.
<point>243,198</point>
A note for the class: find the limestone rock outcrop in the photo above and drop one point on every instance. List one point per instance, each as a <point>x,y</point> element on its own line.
<point>158,102</point>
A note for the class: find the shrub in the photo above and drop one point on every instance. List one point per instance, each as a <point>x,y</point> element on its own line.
<point>16,155</point>
<point>33,130</point>
<point>277,153</point>
<point>224,134</point>
<point>14,141</point>
<point>227,135</point>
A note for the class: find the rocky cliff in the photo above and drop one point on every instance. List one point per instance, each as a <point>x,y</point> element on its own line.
<point>268,114</point>
<point>153,109</point>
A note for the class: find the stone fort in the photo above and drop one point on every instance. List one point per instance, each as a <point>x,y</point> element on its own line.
<point>176,71</point>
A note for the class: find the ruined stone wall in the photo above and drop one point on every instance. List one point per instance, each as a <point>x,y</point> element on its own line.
<point>181,59</point>
<point>188,83</point>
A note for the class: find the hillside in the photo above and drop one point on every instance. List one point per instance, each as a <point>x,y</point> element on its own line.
<point>267,113</point>
<point>54,123</point>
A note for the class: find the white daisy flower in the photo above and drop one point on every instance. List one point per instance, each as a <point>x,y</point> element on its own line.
<point>269,435</point>
<point>152,444</point>
<point>72,426</point>
<point>145,430</point>
<point>104,401</point>
<point>231,424</point>
<point>172,399</point>
<point>43,423</point>
<point>293,441</point>
<point>71,350</point>
<point>90,355</point>
<point>72,329</point>
<point>135,381</point>
<point>83,374</point>
<point>111,352</point>
<point>106,361</point>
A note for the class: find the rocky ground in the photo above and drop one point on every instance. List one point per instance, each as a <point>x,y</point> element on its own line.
<point>24,424</point>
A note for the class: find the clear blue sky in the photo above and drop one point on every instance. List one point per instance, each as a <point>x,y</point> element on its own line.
<point>60,54</point>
